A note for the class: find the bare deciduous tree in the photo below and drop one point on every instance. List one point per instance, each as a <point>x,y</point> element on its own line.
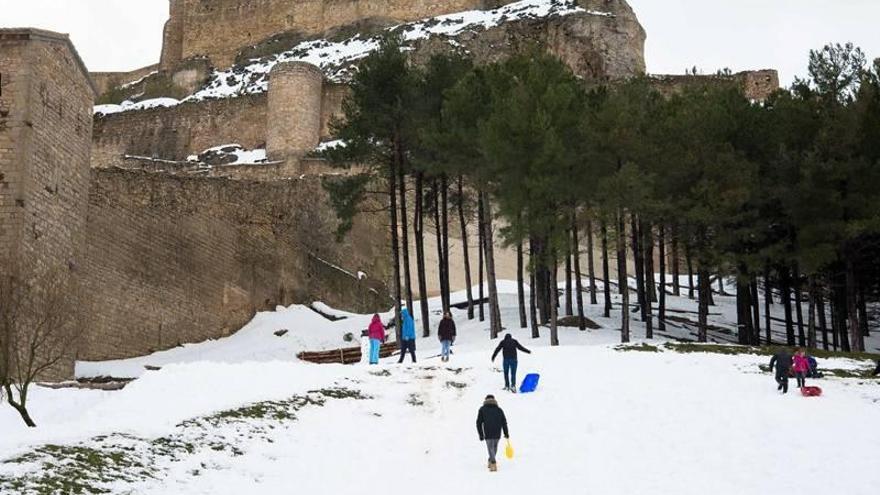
<point>39,328</point>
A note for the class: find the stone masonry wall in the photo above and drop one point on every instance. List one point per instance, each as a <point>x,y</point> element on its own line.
<point>294,116</point>
<point>220,28</point>
<point>175,259</point>
<point>174,133</point>
<point>108,80</point>
<point>45,138</point>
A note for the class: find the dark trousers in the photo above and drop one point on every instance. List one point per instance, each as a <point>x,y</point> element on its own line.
<point>801,379</point>
<point>509,373</point>
<point>782,380</point>
<point>407,345</point>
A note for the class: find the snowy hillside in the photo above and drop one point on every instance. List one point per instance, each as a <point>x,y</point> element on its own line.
<point>242,415</point>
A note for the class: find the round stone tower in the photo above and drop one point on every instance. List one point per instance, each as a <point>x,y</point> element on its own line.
<point>294,116</point>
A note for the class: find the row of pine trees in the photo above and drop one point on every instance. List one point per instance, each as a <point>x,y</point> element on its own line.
<point>782,196</point>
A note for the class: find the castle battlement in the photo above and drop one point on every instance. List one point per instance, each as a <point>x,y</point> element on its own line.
<point>219,29</point>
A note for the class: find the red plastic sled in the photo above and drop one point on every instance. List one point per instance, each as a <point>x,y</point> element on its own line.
<point>811,391</point>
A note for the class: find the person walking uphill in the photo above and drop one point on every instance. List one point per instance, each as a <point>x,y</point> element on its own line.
<point>491,422</point>
<point>801,366</point>
<point>376,333</point>
<point>446,334</point>
<point>782,362</point>
<point>508,348</point>
<point>407,336</point>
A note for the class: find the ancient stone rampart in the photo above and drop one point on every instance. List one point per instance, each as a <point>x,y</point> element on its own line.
<point>756,85</point>
<point>220,28</point>
<point>46,99</point>
<point>105,81</point>
<point>174,133</point>
<point>175,259</point>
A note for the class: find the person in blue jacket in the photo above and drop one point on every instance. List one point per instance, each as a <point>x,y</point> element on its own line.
<point>407,336</point>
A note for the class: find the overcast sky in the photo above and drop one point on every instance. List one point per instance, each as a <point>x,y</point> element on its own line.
<point>709,34</point>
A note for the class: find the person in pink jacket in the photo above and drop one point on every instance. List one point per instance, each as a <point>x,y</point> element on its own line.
<point>800,366</point>
<point>376,332</point>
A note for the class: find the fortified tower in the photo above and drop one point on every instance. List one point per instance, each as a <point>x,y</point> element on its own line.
<point>294,110</point>
<point>46,99</point>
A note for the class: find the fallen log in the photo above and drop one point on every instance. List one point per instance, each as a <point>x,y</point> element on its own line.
<point>345,355</point>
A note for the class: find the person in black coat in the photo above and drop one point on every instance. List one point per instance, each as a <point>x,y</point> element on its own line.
<point>491,422</point>
<point>508,348</point>
<point>877,371</point>
<point>446,334</point>
<point>782,362</point>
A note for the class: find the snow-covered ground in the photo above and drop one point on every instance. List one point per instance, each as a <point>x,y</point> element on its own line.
<point>603,420</point>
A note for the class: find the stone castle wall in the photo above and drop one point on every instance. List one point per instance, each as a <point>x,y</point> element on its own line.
<point>218,29</point>
<point>45,138</point>
<point>174,133</point>
<point>756,85</point>
<point>105,81</point>
<point>175,259</point>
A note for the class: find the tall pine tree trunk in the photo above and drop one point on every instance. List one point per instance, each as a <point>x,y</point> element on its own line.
<point>863,313</point>
<point>799,312</point>
<point>676,264</point>
<point>464,242</point>
<point>533,309</point>
<point>834,302</point>
<point>542,277</point>
<point>520,289</point>
<point>768,302</point>
<point>785,288</point>
<point>494,310</point>
<point>569,311</point>
<point>554,318</point>
<point>823,327</point>
<point>606,275</point>
<point>704,290</point>
<point>444,219</point>
<point>395,245</point>
<point>438,236</point>
<point>482,250</point>
<point>756,308</point>
<point>622,277</point>
<point>648,248</point>
<point>690,267</point>
<point>638,257</point>
<point>591,270</point>
<point>661,243</point>
<point>744,324</point>
<point>811,325</point>
<point>576,249</point>
<point>404,241</point>
<point>857,342</point>
<point>419,232</point>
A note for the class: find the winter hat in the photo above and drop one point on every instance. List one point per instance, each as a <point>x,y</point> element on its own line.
<point>490,396</point>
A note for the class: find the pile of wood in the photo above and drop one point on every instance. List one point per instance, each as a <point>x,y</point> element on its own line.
<point>345,355</point>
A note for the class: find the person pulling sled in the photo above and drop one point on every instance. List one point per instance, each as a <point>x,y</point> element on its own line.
<point>508,348</point>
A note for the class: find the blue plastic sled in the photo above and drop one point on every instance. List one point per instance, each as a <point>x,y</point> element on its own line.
<point>530,383</point>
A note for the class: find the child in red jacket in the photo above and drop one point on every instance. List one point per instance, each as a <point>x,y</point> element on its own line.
<point>800,366</point>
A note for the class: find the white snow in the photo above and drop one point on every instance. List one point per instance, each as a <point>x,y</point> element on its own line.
<point>335,58</point>
<point>141,105</point>
<point>328,145</point>
<point>242,156</point>
<point>602,420</point>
